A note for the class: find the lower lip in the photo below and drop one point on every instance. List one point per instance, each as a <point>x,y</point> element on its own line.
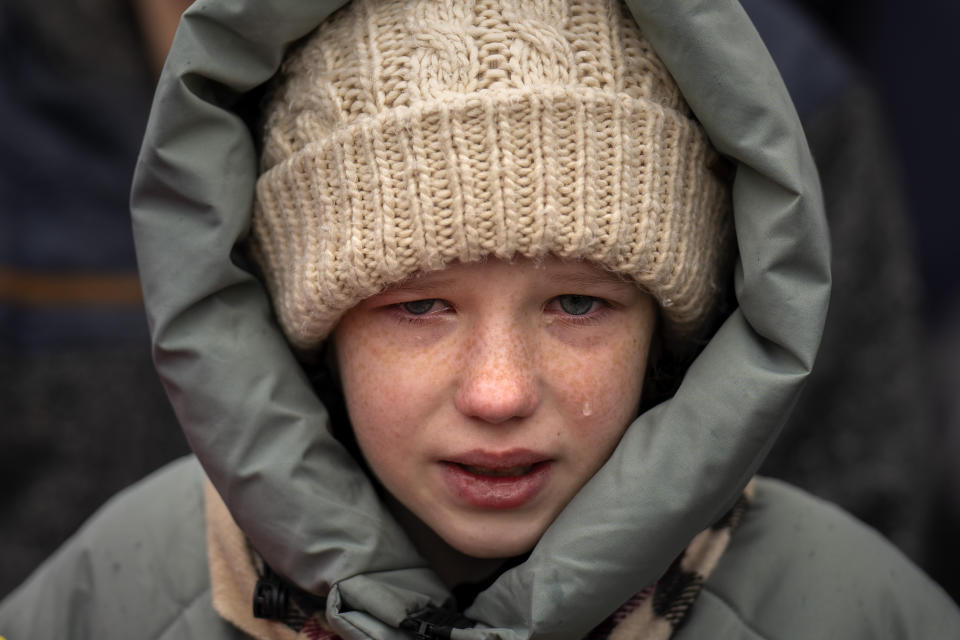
<point>495,492</point>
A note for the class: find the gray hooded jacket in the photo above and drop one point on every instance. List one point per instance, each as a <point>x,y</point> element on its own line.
<point>796,569</point>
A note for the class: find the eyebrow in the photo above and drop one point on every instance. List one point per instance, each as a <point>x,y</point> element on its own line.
<point>415,284</point>
<point>425,283</point>
<point>592,279</point>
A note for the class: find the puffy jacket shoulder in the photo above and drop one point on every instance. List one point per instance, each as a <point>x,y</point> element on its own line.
<point>799,567</point>
<point>136,569</point>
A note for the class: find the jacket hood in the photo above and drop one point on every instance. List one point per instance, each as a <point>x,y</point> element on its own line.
<point>262,435</point>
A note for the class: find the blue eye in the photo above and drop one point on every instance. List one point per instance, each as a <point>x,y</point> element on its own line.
<point>576,305</point>
<point>419,307</point>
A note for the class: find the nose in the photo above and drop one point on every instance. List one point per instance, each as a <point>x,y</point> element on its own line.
<point>499,380</point>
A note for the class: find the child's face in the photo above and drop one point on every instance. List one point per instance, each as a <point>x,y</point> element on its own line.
<point>485,395</point>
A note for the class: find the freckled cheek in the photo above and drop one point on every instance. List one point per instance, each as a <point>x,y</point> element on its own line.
<point>389,390</point>
<point>600,388</point>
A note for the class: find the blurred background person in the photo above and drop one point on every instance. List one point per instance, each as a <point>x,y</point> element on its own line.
<point>905,52</point>
<point>863,426</point>
<point>81,409</point>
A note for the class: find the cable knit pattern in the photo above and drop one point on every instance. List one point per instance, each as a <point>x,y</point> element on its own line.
<point>402,136</point>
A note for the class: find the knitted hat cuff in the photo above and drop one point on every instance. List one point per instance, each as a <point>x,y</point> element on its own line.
<point>580,174</point>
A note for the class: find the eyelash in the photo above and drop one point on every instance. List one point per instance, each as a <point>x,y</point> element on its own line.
<point>599,309</point>
<point>405,317</point>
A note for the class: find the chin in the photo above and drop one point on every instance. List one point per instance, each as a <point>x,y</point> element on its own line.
<point>491,542</point>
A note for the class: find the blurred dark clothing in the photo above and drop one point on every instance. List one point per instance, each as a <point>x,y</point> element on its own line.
<point>73,107</point>
<point>862,432</point>
<point>869,394</point>
<point>909,51</point>
<point>941,553</point>
<point>83,413</point>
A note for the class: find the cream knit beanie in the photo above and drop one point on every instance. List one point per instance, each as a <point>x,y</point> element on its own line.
<point>404,135</point>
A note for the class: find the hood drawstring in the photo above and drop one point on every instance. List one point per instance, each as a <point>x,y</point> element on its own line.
<point>435,623</point>
<point>270,596</point>
<point>276,599</point>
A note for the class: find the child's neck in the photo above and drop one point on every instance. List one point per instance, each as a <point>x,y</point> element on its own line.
<point>453,567</point>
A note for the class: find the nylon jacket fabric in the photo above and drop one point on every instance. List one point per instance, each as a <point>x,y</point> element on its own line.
<point>260,432</point>
<point>795,569</point>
